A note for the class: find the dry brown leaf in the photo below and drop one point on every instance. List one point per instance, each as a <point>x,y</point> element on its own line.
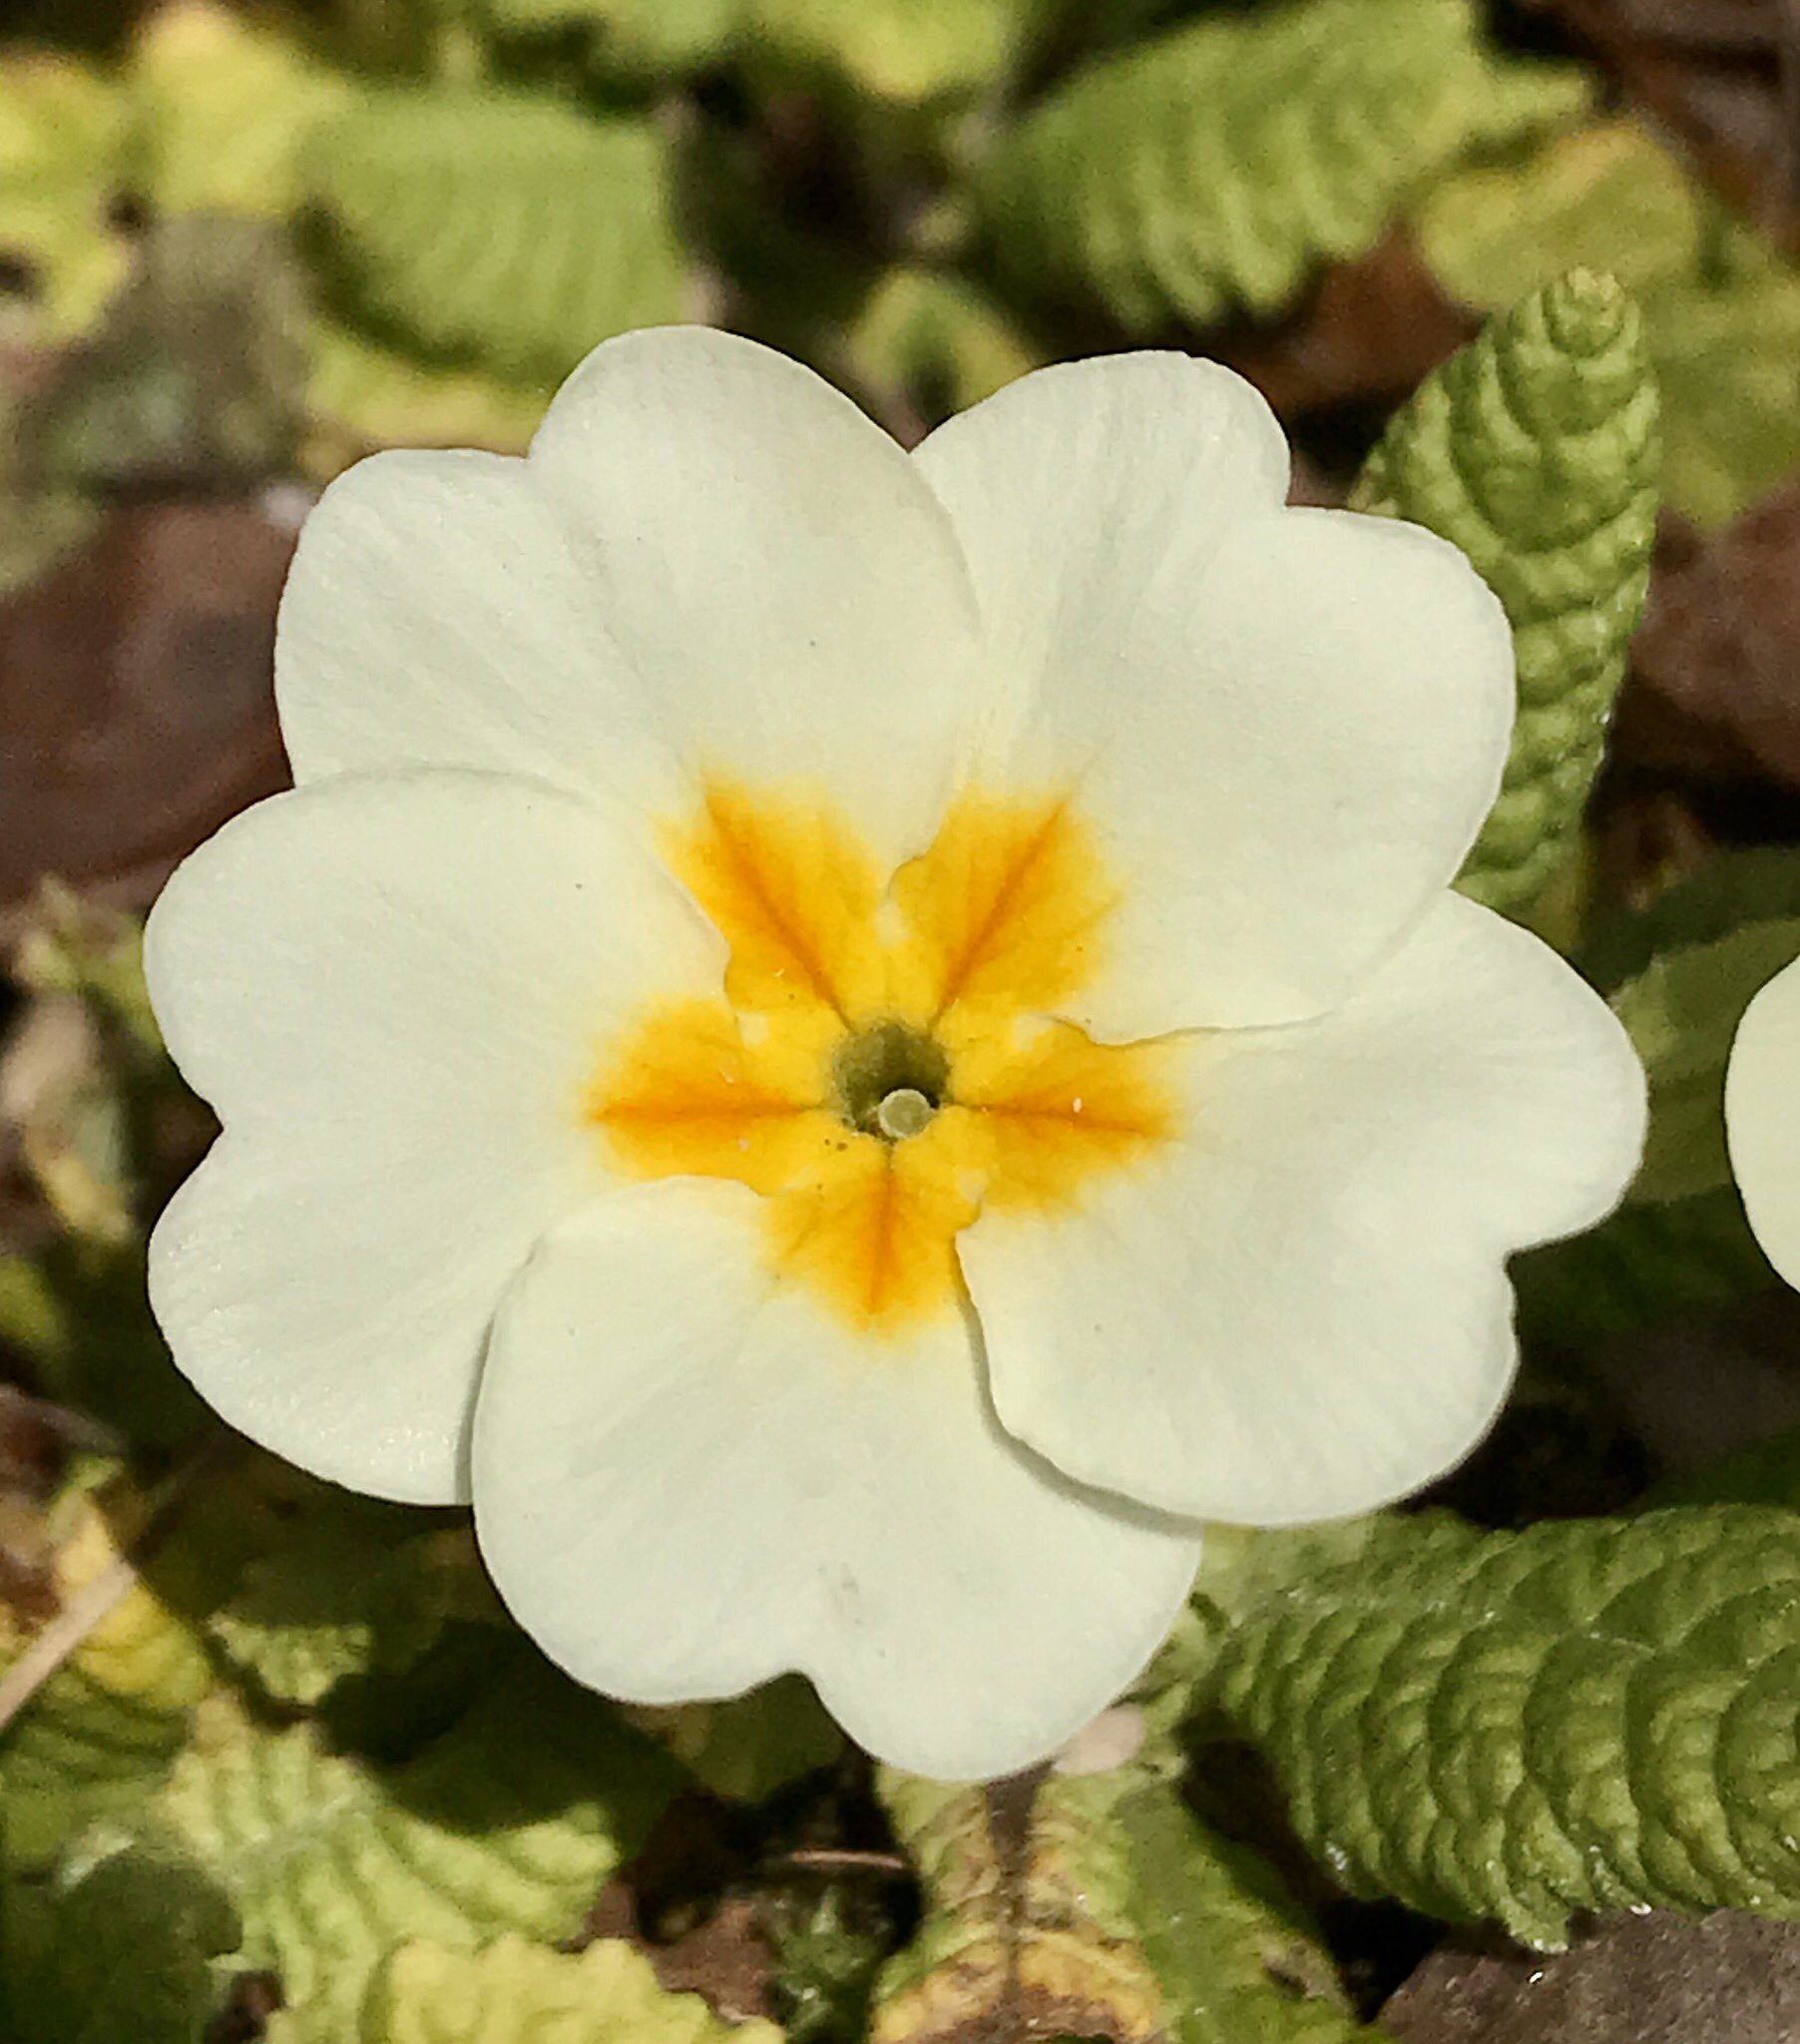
<point>1715,686</point>
<point>136,701</point>
<point>1373,330</point>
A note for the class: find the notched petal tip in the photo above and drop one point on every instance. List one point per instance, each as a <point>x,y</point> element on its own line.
<point>686,1482</point>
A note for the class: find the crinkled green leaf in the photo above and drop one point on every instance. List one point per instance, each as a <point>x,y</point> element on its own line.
<point>1219,166</point>
<point>517,1992</point>
<point>61,156</point>
<point>82,1752</point>
<point>748,1747</point>
<point>100,1734</point>
<point>1721,310</point>
<point>225,107</point>
<point>1093,25</point>
<point>504,229</point>
<point>1239,1961</point>
<point>510,1822</point>
<point>903,51</point>
<point>1099,1907</point>
<point>1590,1715</point>
<point>118,1952</point>
<point>1534,448</point>
<point>358,1591</point>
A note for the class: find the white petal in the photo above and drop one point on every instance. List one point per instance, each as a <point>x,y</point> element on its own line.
<point>1286,725</point>
<point>688,1479</point>
<point>441,611</point>
<point>711,562</point>
<point>393,989</point>
<point>1762,1117</point>
<point>1301,1312</point>
<point>792,596</point>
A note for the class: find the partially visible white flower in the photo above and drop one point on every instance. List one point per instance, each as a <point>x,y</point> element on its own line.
<point>1762,1117</point>
<point>853,1043</point>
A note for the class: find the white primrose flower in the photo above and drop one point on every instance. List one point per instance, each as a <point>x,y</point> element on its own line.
<point>1762,1117</point>
<point>851,1043</point>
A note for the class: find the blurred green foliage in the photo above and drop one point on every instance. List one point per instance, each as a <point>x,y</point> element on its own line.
<point>1219,167</point>
<point>1679,973</point>
<point>1721,308</point>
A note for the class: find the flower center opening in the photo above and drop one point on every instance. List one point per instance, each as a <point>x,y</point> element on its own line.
<point>889,1079</point>
<point>880,1068</point>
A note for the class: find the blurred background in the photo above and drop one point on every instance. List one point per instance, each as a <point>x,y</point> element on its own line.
<point>243,245</point>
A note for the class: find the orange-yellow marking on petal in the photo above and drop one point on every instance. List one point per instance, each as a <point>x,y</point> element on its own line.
<point>1002,918</point>
<point>1008,904</point>
<point>1061,1109</point>
<point>873,1226</point>
<point>792,890</point>
<point>687,1095</point>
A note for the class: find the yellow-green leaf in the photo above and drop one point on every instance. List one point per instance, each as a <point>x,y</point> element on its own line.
<point>63,128</point>
<point>1097,1906</point>
<point>511,1823</point>
<point>502,228</point>
<point>1721,308</point>
<point>225,106</point>
<point>748,1746</point>
<point>904,51</point>
<point>359,1590</point>
<point>937,341</point>
<point>98,1736</point>
<point>1216,167</point>
<point>362,395</point>
<point>116,1951</point>
<point>651,39</point>
<point>517,1992</point>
